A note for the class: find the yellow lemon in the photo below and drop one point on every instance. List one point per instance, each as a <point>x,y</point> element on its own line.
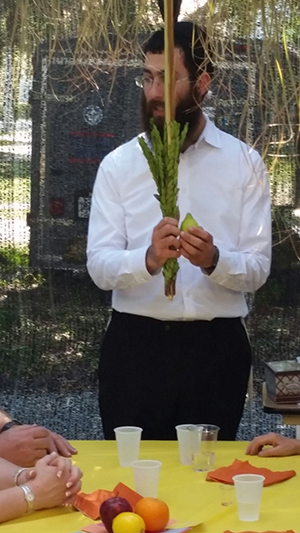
<point>128,523</point>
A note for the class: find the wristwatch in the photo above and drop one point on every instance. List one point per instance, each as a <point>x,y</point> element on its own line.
<point>10,424</point>
<point>209,270</point>
<point>29,497</point>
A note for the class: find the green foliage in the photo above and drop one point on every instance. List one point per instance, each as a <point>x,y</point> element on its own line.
<point>13,257</point>
<point>14,177</point>
<point>286,239</point>
<point>283,283</point>
<point>50,331</point>
<point>23,111</point>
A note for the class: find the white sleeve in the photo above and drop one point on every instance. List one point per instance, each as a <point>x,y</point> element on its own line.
<point>109,263</point>
<point>247,267</point>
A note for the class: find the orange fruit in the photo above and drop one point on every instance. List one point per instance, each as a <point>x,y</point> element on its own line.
<point>128,523</point>
<point>154,512</point>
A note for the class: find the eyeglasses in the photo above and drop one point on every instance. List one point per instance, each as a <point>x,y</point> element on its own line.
<point>145,82</point>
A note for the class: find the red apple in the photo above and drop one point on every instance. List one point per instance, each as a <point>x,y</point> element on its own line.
<point>111,508</point>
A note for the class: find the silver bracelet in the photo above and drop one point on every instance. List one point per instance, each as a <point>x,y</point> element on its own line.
<point>17,473</point>
<point>29,497</point>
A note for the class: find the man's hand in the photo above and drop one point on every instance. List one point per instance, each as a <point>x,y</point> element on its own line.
<point>197,246</point>
<point>278,446</point>
<point>164,245</point>
<point>24,445</point>
<point>60,445</point>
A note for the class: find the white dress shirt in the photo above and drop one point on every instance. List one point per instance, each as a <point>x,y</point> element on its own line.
<point>223,184</point>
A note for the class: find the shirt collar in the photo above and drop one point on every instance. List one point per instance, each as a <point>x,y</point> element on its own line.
<point>210,134</point>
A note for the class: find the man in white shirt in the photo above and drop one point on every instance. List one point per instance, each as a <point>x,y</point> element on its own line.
<point>187,360</point>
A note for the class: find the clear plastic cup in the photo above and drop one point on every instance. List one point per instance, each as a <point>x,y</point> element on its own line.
<point>226,494</point>
<point>184,446</point>
<point>248,490</point>
<point>203,439</point>
<point>128,443</point>
<point>146,477</point>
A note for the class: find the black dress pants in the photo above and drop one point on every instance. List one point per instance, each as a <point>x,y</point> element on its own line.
<point>158,374</point>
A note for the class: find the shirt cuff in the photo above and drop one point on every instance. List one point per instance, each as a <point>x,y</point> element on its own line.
<point>226,266</point>
<point>137,265</point>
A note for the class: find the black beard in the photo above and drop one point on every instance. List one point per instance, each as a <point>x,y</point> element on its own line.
<point>187,111</point>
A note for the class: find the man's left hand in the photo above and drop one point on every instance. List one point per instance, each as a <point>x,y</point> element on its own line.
<point>197,246</point>
<point>60,445</point>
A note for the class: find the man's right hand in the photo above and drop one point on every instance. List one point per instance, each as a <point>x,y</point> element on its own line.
<point>164,245</point>
<point>24,445</point>
<point>276,446</point>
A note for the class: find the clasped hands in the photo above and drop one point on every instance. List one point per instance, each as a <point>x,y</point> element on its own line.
<point>168,241</point>
<point>54,481</point>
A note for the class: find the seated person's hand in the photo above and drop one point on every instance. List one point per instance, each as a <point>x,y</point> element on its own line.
<point>277,445</point>
<point>73,484</point>
<point>24,445</point>
<point>60,445</point>
<point>51,482</point>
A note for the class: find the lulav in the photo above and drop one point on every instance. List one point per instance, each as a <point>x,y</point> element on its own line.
<point>163,162</point>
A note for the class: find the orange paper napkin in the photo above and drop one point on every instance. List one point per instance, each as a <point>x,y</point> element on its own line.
<point>130,495</point>
<point>289,531</point>
<point>226,473</point>
<point>89,504</point>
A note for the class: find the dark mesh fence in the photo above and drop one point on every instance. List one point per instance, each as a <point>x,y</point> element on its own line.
<point>52,139</point>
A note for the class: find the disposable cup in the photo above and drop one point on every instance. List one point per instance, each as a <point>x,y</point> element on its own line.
<point>226,494</point>
<point>248,490</point>
<point>184,446</point>
<point>203,439</point>
<point>146,477</point>
<point>128,443</point>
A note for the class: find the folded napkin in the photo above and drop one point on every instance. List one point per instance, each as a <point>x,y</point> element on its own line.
<point>289,531</point>
<point>226,473</point>
<point>89,504</point>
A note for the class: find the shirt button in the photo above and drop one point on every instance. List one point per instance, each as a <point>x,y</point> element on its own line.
<point>167,327</point>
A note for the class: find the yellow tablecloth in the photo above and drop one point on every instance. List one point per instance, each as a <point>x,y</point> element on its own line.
<point>191,499</point>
